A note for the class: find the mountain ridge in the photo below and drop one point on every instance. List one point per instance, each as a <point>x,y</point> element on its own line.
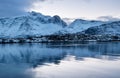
<point>36,27</point>
<point>32,24</point>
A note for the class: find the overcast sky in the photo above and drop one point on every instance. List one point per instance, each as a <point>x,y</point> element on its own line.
<point>89,9</point>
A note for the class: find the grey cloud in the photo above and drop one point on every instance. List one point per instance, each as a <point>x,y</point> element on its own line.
<point>68,20</point>
<point>14,7</point>
<point>87,1</point>
<point>108,18</point>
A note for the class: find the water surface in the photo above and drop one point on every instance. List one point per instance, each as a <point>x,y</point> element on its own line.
<point>60,60</point>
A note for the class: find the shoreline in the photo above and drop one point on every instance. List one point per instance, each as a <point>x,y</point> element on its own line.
<point>60,41</point>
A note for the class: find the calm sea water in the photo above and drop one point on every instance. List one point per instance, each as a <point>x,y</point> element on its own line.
<point>55,60</point>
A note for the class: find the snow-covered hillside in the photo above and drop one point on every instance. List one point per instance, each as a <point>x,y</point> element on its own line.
<point>37,25</point>
<point>30,25</point>
<point>110,28</point>
<point>80,25</point>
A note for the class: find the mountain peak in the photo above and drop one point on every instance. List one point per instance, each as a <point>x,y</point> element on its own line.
<point>33,13</point>
<point>32,24</point>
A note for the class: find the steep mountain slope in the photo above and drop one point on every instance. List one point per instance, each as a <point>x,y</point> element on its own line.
<point>30,25</point>
<point>35,24</point>
<point>80,25</point>
<point>110,28</point>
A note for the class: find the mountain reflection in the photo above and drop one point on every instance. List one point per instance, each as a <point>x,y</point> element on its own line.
<point>39,54</point>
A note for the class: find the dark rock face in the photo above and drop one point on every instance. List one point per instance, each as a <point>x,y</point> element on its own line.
<point>91,31</point>
<point>57,20</point>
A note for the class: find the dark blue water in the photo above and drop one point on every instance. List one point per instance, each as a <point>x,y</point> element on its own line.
<point>58,60</point>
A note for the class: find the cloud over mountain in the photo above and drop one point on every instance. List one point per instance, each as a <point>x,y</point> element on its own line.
<point>15,7</point>
<point>108,18</point>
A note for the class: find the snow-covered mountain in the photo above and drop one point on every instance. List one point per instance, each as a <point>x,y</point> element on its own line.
<point>30,25</point>
<point>80,25</point>
<point>110,28</point>
<point>35,24</point>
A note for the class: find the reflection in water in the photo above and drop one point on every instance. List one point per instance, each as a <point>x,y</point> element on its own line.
<point>60,60</point>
